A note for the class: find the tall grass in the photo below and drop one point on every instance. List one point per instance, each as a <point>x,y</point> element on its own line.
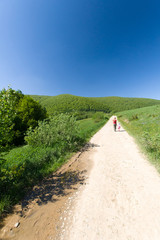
<point>89,127</point>
<point>144,125</point>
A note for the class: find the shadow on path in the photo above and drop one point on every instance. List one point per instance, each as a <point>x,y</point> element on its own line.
<point>53,187</point>
<point>57,184</point>
<point>88,146</point>
<point>121,130</point>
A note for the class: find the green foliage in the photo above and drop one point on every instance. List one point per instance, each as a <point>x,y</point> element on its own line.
<point>29,112</point>
<point>79,115</point>
<point>70,103</point>
<point>5,203</point>
<point>88,127</point>
<point>133,117</point>
<point>151,143</point>
<point>17,113</point>
<point>22,167</point>
<point>99,116</point>
<point>61,131</point>
<point>146,129</point>
<point>8,101</point>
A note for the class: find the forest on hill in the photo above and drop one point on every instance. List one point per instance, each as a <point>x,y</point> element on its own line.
<point>69,103</point>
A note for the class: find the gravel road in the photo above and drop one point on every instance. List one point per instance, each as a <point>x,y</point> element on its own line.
<point>121,198</point>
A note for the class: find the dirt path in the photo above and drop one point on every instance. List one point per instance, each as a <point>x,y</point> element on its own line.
<point>121,200</point>
<point>41,213</point>
<point>108,192</point>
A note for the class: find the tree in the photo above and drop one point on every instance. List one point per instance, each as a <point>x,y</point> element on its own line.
<point>17,113</point>
<point>29,112</point>
<point>8,100</point>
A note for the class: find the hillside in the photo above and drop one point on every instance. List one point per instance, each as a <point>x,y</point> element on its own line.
<point>68,103</point>
<point>142,120</point>
<point>144,125</point>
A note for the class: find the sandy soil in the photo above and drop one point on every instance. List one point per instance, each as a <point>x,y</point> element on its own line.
<point>107,192</point>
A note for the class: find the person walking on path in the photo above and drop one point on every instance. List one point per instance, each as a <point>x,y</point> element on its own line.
<point>115,123</point>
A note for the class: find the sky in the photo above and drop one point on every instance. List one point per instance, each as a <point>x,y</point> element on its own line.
<point>91,48</point>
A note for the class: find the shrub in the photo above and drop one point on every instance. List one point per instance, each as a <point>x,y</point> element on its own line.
<point>60,131</point>
<point>17,113</point>
<point>98,116</point>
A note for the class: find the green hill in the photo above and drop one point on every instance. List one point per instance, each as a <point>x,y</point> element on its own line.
<point>69,103</point>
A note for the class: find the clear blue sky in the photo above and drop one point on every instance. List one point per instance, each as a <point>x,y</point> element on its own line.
<point>81,47</point>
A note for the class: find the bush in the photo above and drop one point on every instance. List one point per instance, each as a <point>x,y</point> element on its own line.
<point>79,115</point>
<point>99,116</point>
<point>17,114</point>
<point>29,112</point>
<point>60,131</point>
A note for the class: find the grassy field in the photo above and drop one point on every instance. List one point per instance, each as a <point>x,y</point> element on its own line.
<point>144,125</point>
<point>23,167</point>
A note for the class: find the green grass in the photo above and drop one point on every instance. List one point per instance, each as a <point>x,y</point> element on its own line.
<point>88,127</point>
<point>144,125</point>
<point>25,166</point>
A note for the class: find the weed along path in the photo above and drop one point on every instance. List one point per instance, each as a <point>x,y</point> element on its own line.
<point>109,191</point>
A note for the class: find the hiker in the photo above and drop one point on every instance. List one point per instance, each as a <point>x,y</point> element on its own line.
<point>115,123</point>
